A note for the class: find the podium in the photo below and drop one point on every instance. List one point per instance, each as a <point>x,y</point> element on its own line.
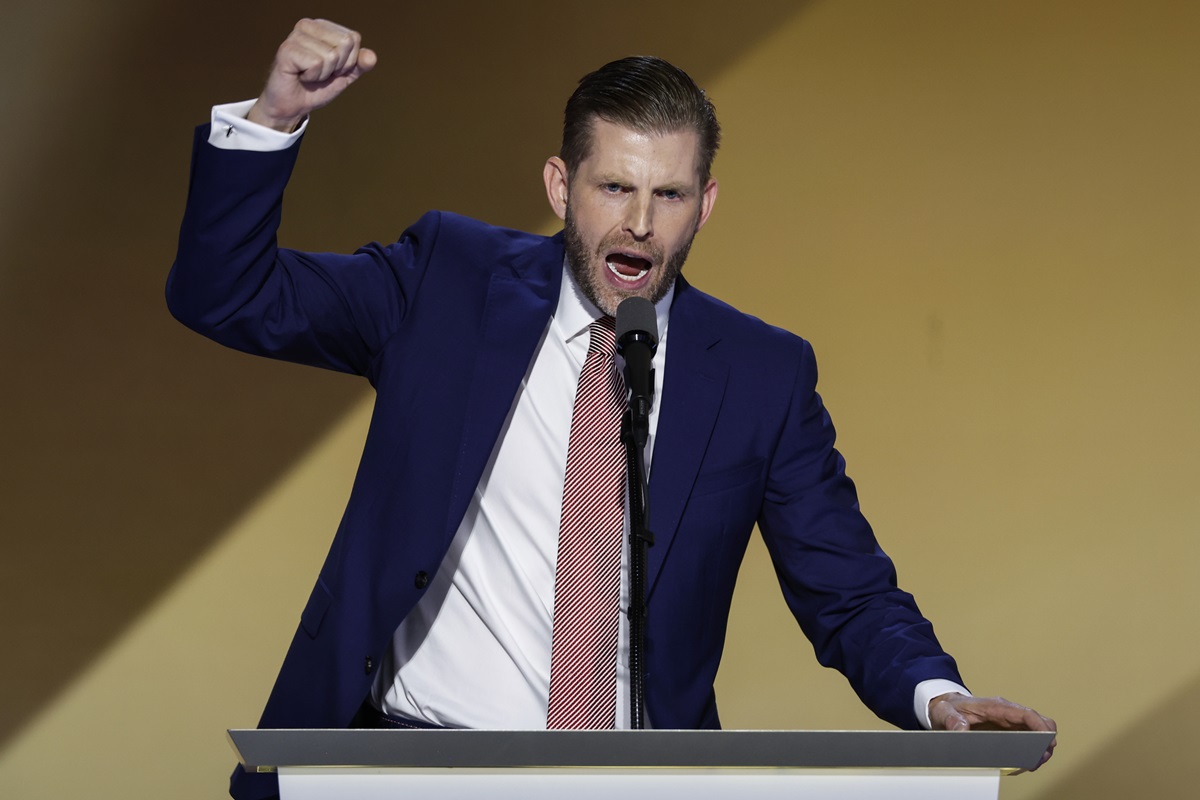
<point>658,764</point>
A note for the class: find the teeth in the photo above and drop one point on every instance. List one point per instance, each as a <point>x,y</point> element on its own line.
<point>626,278</point>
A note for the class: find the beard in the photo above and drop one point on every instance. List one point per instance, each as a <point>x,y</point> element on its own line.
<point>586,265</point>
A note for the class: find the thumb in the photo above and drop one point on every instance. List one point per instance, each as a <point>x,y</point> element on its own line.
<point>956,722</point>
<point>366,61</point>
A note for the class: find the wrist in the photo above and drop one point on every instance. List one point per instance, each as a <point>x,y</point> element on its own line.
<point>260,116</point>
<point>928,691</point>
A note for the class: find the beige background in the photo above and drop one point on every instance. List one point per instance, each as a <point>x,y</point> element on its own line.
<point>984,215</point>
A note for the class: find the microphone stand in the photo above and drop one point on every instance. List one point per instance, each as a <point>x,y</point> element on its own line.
<point>640,538</point>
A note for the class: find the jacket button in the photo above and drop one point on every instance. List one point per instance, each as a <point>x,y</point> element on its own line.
<point>421,580</point>
<point>367,665</point>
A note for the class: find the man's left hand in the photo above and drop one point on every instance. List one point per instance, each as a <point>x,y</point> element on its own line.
<point>957,712</point>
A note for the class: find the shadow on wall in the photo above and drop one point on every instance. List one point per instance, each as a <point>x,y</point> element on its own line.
<point>1152,758</point>
<point>138,442</point>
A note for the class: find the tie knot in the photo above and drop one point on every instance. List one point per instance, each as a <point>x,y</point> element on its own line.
<point>603,334</point>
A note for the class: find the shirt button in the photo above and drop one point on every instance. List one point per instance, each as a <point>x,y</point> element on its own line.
<point>421,580</point>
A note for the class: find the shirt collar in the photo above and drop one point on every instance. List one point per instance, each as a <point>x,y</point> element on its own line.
<point>575,313</point>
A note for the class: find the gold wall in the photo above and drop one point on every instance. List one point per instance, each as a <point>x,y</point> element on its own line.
<point>985,216</point>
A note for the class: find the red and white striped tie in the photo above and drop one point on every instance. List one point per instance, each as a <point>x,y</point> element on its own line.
<point>587,583</point>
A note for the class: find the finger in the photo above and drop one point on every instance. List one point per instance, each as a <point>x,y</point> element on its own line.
<point>317,60</point>
<point>345,54</point>
<point>303,56</point>
<point>1045,757</point>
<point>1050,750</point>
<point>328,50</point>
<point>324,30</point>
<point>945,715</point>
<point>985,712</point>
<point>956,722</point>
<point>958,712</point>
<point>1020,717</point>
<point>1036,722</point>
<point>364,63</point>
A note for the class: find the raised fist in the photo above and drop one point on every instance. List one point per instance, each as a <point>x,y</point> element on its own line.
<point>315,64</point>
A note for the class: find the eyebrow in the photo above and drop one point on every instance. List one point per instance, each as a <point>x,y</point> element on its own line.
<point>678,188</point>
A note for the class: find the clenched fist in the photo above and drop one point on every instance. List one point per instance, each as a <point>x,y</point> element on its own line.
<point>315,64</point>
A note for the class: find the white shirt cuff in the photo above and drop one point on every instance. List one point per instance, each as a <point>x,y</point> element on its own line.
<point>926,691</point>
<point>232,131</point>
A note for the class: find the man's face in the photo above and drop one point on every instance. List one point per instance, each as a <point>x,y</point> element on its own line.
<point>630,210</point>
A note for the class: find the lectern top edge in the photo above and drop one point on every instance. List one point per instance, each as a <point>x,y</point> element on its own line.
<point>261,750</point>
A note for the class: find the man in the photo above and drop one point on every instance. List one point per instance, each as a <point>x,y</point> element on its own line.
<point>439,603</point>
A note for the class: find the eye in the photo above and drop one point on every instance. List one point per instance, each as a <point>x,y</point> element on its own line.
<point>610,188</point>
<point>671,194</point>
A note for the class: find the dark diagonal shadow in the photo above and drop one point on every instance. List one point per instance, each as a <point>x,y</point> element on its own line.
<point>1154,757</point>
<point>130,444</point>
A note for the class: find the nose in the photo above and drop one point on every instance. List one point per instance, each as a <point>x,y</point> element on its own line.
<point>639,219</point>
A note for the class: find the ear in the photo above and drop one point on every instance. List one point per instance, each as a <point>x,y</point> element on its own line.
<point>555,176</point>
<point>708,199</point>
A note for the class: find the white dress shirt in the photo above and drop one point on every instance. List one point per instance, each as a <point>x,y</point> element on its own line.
<point>475,652</point>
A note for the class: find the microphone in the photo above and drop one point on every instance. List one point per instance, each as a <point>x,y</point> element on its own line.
<point>637,341</point>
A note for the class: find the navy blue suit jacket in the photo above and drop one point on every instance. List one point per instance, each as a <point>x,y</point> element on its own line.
<point>443,323</point>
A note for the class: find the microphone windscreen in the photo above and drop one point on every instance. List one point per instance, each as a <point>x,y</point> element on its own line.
<point>636,314</point>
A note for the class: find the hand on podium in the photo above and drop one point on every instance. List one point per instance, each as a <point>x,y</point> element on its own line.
<point>957,712</point>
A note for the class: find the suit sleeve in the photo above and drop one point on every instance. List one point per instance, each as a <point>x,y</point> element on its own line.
<point>838,582</point>
<point>232,283</point>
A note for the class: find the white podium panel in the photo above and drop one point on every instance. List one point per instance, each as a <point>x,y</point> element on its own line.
<point>658,765</point>
<point>314,783</point>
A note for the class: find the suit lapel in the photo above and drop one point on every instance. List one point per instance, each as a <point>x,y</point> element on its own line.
<point>514,319</point>
<point>519,303</point>
<point>691,399</point>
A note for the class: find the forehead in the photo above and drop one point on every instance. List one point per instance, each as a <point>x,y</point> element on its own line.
<point>618,151</point>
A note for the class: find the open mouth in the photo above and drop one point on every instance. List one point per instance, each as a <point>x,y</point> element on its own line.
<point>627,267</point>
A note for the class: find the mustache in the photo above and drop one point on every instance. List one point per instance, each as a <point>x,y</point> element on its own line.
<point>620,242</point>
